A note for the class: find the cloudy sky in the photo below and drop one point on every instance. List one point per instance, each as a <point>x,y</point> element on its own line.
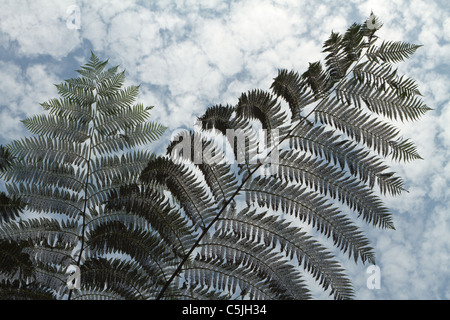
<point>188,55</point>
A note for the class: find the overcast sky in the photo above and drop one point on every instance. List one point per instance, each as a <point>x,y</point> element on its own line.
<point>189,55</point>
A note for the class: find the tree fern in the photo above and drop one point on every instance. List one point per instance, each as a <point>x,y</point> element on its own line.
<point>391,51</point>
<point>83,150</point>
<point>247,205</point>
<point>328,169</point>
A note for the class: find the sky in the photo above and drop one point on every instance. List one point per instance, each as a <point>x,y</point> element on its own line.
<point>189,55</point>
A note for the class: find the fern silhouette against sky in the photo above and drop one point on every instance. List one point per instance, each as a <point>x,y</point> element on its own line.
<point>82,150</point>
<point>146,226</point>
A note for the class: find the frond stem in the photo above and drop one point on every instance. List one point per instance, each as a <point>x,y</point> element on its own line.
<point>83,227</point>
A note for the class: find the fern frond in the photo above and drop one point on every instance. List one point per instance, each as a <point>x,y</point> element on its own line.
<point>294,244</point>
<point>82,83</point>
<point>292,88</point>
<point>260,105</point>
<point>59,128</point>
<point>10,208</point>
<point>15,264</point>
<point>93,293</point>
<point>189,225</point>
<point>80,155</point>
<point>35,149</point>
<point>52,277</point>
<point>143,247</point>
<point>6,159</point>
<point>124,278</point>
<point>404,150</point>
<point>93,68</point>
<point>130,138</point>
<point>109,124</point>
<point>182,184</point>
<point>382,77</point>
<point>198,293</point>
<point>219,179</point>
<point>317,79</point>
<point>110,82</point>
<point>358,125</point>
<point>273,277</point>
<point>336,59</point>
<point>392,51</point>
<point>309,206</point>
<point>116,101</point>
<point>327,180</point>
<point>241,136</point>
<point>68,109</point>
<point>245,143</point>
<point>207,272</point>
<point>52,254</point>
<point>110,168</point>
<point>383,94</point>
<point>60,175</point>
<point>36,231</point>
<point>217,117</point>
<point>78,95</point>
<point>173,227</point>
<point>360,162</point>
<point>49,200</point>
<point>30,292</point>
<point>208,158</point>
<point>353,42</point>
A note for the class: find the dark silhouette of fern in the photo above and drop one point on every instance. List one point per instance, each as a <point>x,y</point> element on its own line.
<point>329,141</point>
<point>58,183</point>
<point>226,213</point>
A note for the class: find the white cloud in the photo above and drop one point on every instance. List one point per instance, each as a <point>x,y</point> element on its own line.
<point>219,45</point>
<point>258,25</point>
<point>39,27</point>
<point>39,88</point>
<point>10,82</point>
<point>135,34</point>
<point>22,92</point>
